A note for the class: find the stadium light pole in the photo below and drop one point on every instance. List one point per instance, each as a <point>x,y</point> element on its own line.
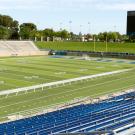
<point>114,28</point>
<point>70,27</point>
<point>81,28</point>
<point>115,31</point>
<point>89,25</point>
<point>94,44</point>
<point>106,44</point>
<point>60,26</point>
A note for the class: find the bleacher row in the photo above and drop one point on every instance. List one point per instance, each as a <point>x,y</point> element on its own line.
<point>115,115</point>
<point>19,48</point>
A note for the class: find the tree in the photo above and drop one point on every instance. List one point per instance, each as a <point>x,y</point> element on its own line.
<point>27,30</point>
<point>64,34</point>
<point>48,33</point>
<point>110,36</point>
<point>96,37</point>
<point>10,24</point>
<point>5,33</point>
<point>71,34</point>
<point>14,30</point>
<point>124,37</point>
<point>6,21</point>
<point>39,34</point>
<point>101,37</point>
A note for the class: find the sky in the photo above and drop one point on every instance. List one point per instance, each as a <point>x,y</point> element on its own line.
<point>87,16</point>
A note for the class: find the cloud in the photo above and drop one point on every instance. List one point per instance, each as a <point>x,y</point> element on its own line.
<point>67,4</point>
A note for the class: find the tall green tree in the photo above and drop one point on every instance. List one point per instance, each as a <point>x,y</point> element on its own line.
<point>48,33</point>
<point>101,37</point>
<point>39,34</point>
<point>5,33</point>
<point>10,24</point>
<point>27,30</point>
<point>15,30</point>
<point>64,34</point>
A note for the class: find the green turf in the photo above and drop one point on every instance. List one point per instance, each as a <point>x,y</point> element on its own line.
<point>88,46</point>
<point>21,72</point>
<point>13,71</point>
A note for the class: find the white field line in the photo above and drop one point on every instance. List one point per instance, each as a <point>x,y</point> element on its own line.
<point>23,76</point>
<point>6,92</point>
<point>79,88</point>
<point>43,108</point>
<point>74,90</point>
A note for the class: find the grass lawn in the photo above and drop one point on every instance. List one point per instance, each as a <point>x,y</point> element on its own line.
<point>88,46</point>
<point>26,71</point>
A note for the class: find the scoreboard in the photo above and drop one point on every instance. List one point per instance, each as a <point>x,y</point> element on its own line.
<point>131,23</point>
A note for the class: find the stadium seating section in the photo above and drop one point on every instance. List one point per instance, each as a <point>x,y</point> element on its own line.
<point>19,48</point>
<point>115,114</point>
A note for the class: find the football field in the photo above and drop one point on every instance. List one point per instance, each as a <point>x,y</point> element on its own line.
<point>28,71</point>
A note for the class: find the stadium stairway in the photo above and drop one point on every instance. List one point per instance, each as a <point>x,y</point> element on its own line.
<point>116,114</point>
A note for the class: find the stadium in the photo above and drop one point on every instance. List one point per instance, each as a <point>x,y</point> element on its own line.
<point>51,94</point>
<point>66,87</point>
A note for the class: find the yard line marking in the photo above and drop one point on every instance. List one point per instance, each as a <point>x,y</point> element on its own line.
<point>61,82</point>
<point>82,87</point>
<point>66,92</point>
<point>72,90</point>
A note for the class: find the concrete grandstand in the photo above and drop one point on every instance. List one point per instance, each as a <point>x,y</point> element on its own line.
<point>19,48</point>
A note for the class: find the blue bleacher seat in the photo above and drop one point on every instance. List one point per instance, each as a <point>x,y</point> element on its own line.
<point>106,115</point>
